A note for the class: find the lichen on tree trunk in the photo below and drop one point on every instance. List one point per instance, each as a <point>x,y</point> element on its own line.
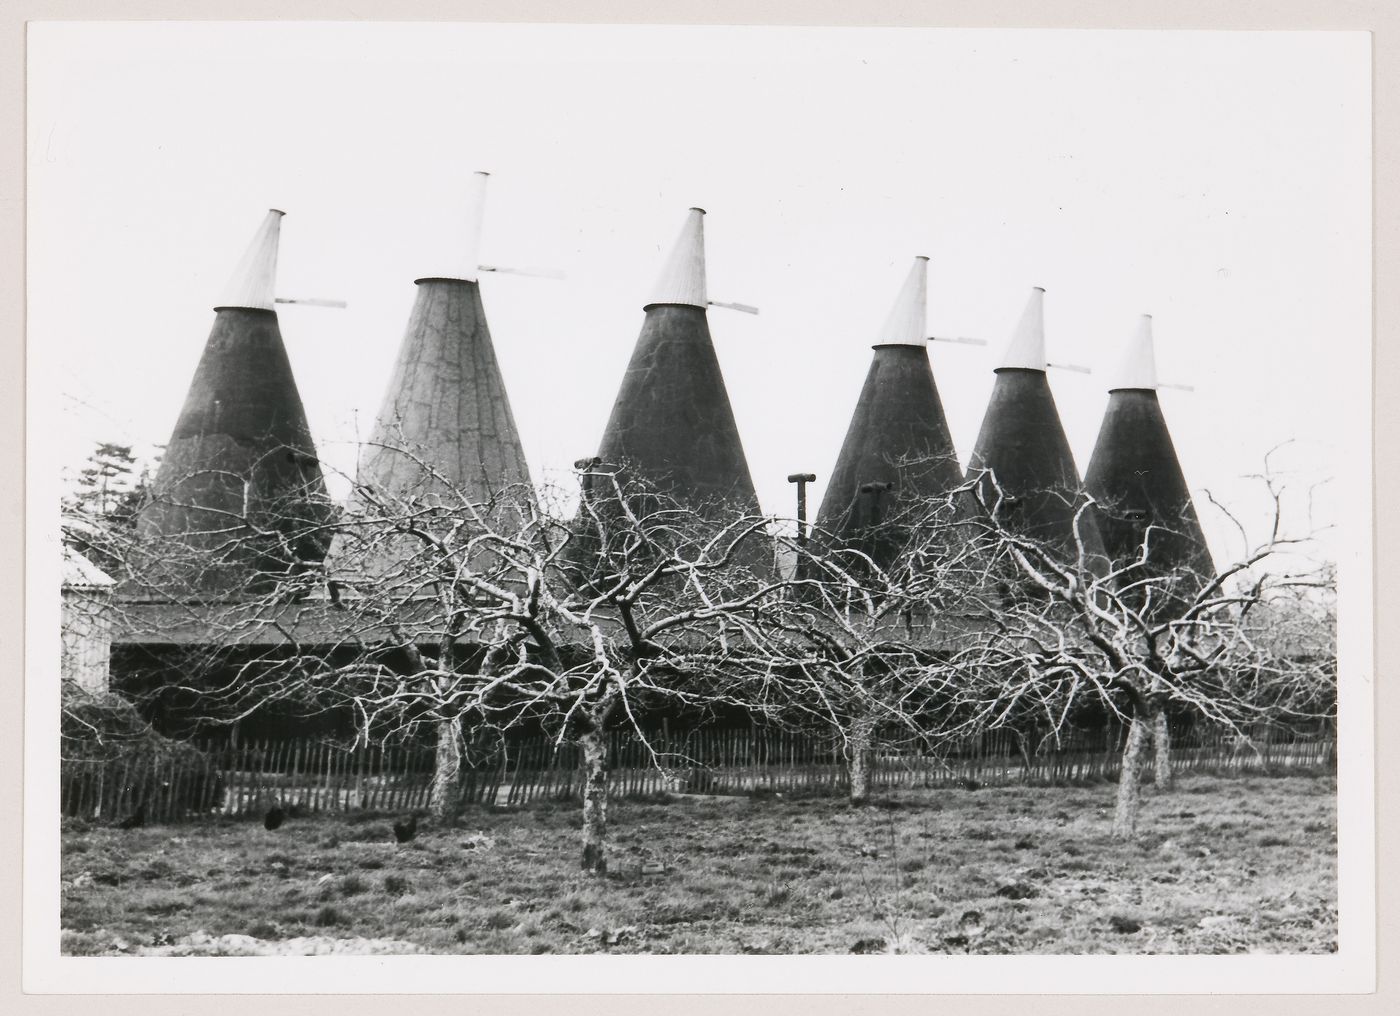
<point>859,745</point>
<point>595,799</point>
<point>1161,751</point>
<point>447,769</point>
<point>1125,813</point>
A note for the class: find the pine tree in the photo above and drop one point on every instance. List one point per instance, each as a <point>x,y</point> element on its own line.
<point>107,495</point>
<point>108,476</point>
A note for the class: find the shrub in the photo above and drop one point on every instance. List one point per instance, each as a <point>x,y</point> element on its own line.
<point>112,761</point>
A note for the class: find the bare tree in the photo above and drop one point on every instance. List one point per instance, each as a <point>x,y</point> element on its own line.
<point>451,617</point>
<point>445,614</point>
<point>872,632</point>
<point>1073,629</point>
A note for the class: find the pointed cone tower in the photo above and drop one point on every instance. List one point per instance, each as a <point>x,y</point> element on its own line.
<point>1134,473</point>
<point>672,423</point>
<point>241,446</point>
<point>898,434</point>
<point>445,432</point>
<point>446,405</point>
<point>1022,447</point>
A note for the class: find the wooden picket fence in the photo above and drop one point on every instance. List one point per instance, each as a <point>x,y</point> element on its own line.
<point>316,776</point>
<point>164,788</point>
<point>999,757</point>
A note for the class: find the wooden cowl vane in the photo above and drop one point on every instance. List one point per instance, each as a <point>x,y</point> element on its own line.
<point>1135,476</point>
<point>672,426</point>
<point>239,494</point>
<point>446,402</point>
<point>898,450</point>
<point>1022,456</point>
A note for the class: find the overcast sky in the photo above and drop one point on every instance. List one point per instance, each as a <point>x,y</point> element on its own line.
<point>1219,181</point>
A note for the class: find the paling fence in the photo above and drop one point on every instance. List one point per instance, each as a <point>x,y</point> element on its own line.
<point>319,775</point>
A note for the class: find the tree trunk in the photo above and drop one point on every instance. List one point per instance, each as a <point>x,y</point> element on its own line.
<point>595,799</point>
<point>1161,751</point>
<point>859,744</point>
<point>1125,814</point>
<point>447,770</point>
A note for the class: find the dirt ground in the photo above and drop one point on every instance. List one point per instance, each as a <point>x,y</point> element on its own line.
<point>1223,865</point>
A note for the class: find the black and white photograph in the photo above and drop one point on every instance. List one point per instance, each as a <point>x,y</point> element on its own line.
<point>532,493</point>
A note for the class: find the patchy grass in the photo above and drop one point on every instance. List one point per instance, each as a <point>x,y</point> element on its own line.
<point>1223,865</point>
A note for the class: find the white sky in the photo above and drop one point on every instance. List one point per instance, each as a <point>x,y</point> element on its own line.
<point>1219,181</point>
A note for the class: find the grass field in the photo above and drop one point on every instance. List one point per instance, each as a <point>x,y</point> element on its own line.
<point>1224,865</point>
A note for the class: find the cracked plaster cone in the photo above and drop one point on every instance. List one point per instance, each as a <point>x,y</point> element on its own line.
<point>446,402</point>
<point>1134,472</point>
<point>898,432</point>
<point>446,405</point>
<point>242,441</point>
<point>672,421</point>
<point>1022,443</point>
